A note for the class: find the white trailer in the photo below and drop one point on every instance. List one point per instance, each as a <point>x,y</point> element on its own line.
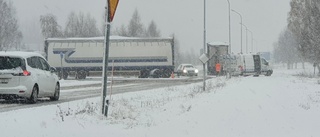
<point>150,57</point>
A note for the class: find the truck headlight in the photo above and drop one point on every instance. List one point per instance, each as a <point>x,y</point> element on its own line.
<point>196,71</point>
<point>185,71</point>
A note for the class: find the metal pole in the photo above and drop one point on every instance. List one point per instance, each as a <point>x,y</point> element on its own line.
<point>251,40</point>
<point>105,72</point>
<point>61,69</point>
<point>240,27</point>
<point>105,102</point>
<point>229,28</point>
<point>246,37</point>
<point>204,45</point>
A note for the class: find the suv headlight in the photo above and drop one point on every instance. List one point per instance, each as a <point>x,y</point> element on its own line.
<point>196,71</point>
<point>185,71</point>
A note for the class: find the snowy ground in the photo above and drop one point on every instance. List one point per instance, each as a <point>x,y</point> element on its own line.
<point>282,105</point>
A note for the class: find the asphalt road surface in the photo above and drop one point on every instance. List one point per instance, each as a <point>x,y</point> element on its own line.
<point>78,92</point>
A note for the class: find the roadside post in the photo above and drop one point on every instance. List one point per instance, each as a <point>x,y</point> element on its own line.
<point>204,59</point>
<point>110,12</point>
<point>61,57</point>
<point>314,69</point>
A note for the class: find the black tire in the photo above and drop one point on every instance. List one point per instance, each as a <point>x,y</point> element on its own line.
<point>34,95</point>
<point>144,74</point>
<point>56,93</point>
<point>65,75</point>
<point>82,75</point>
<point>269,73</point>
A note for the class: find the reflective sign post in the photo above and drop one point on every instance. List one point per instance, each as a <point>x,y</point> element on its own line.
<point>110,12</point>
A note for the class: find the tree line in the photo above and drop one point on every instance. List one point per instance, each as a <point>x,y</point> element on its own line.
<point>300,40</point>
<point>10,35</point>
<point>81,25</point>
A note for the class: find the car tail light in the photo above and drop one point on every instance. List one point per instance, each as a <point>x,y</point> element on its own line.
<point>26,73</point>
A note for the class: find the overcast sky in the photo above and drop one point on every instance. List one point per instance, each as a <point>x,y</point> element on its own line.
<point>184,18</point>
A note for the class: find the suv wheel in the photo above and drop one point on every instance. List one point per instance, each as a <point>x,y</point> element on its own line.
<point>56,93</point>
<point>34,96</point>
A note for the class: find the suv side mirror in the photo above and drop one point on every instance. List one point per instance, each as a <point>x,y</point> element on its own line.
<point>53,69</point>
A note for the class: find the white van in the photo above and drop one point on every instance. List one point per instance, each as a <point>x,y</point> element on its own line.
<point>253,64</point>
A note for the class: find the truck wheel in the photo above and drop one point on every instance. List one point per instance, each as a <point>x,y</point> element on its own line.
<point>65,75</point>
<point>144,74</point>
<point>269,73</point>
<point>81,74</point>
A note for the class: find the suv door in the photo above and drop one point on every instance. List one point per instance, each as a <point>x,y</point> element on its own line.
<point>49,77</point>
<point>37,71</point>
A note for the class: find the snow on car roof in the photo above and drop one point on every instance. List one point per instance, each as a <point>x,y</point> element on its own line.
<point>19,54</point>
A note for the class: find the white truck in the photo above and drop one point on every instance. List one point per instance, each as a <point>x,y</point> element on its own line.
<point>149,57</point>
<point>240,64</point>
<point>253,64</point>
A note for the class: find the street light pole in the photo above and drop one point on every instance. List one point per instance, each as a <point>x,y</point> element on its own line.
<point>240,27</point>
<point>246,38</point>
<point>251,40</point>
<point>229,27</point>
<point>204,45</point>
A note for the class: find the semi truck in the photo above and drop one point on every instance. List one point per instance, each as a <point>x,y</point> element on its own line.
<point>149,57</point>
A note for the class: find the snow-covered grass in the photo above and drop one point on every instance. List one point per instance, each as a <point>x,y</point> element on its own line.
<point>282,105</point>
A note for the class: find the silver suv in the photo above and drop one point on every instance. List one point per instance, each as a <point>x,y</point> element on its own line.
<point>27,75</point>
<point>187,70</point>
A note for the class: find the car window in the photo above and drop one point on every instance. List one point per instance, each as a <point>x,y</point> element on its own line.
<point>45,65</point>
<point>188,66</point>
<point>11,63</point>
<point>34,62</point>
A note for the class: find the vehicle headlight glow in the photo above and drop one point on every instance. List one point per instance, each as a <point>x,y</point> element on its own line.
<point>196,71</point>
<point>185,71</point>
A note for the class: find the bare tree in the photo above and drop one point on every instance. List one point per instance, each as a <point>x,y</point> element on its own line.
<point>49,26</point>
<point>10,35</point>
<point>81,26</point>
<point>303,21</point>
<point>286,49</point>
<point>152,30</point>
<point>135,27</point>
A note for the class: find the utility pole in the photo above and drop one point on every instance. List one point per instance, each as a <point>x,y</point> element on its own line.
<point>229,27</point>
<point>240,28</point>
<point>204,45</point>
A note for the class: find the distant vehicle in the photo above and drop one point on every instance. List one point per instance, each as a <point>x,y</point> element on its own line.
<point>234,65</point>
<point>147,57</point>
<point>252,64</point>
<point>27,75</point>
<point>187,70</point>
<point>217,51</point>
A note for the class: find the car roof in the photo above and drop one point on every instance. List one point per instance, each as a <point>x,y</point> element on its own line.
<point>22,54</point>
<point>186,64</point>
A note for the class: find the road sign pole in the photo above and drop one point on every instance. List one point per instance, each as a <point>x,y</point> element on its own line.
<point>105,72</point>
<point>61,56</point>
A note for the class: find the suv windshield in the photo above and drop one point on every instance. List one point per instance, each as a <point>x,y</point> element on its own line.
<point>10,62</point>
<point>188,66</point>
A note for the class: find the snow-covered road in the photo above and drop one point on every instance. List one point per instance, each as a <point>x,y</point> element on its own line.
<point>282,105</point>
